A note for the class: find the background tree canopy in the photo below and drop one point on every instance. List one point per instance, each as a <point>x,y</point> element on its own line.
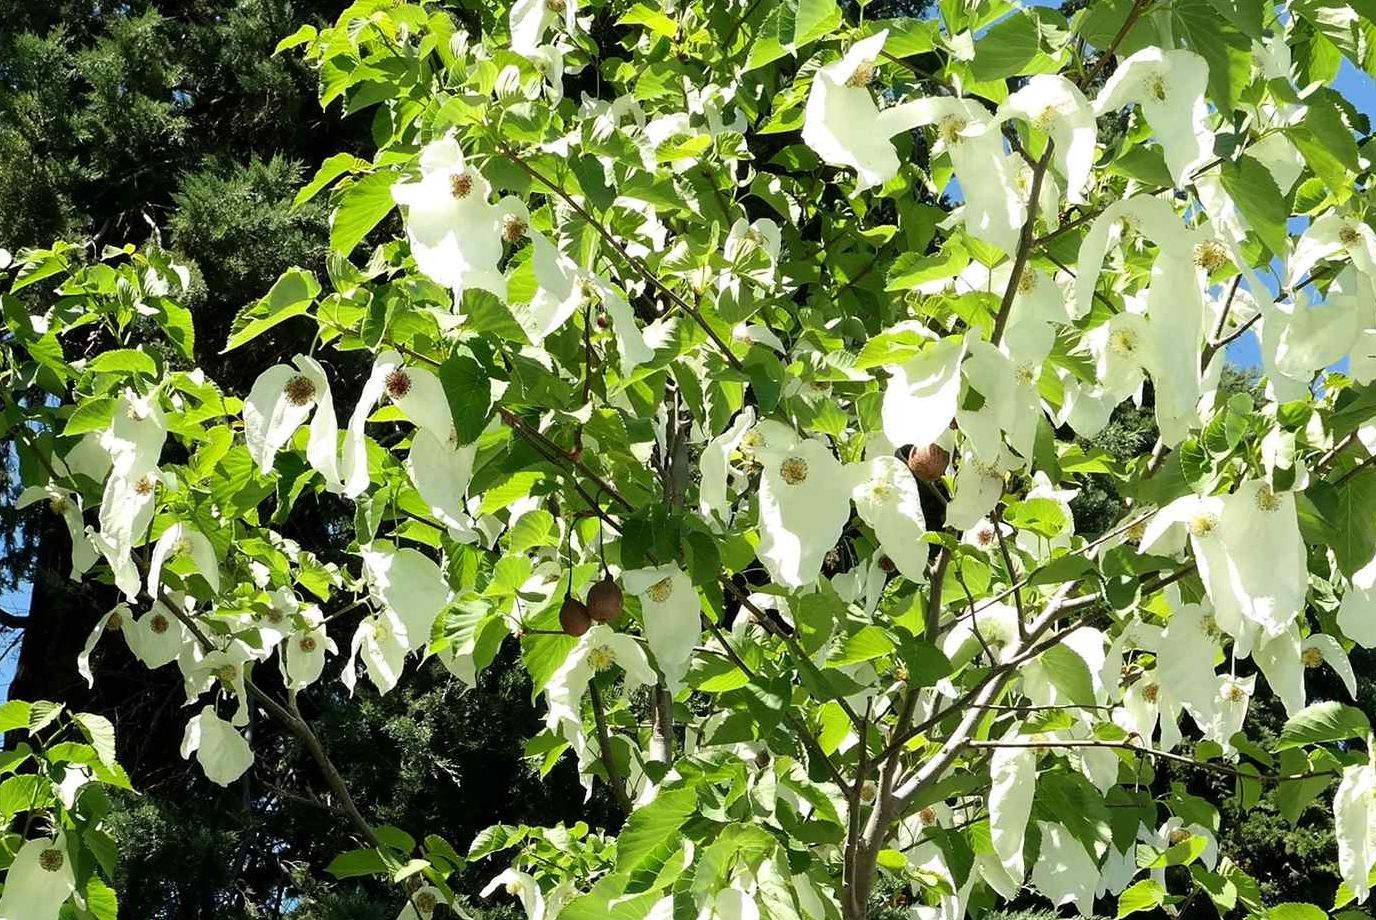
<point>175,124</point>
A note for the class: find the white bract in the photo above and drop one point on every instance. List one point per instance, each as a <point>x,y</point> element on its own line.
<point>456,232</point>
<point>39,881</point>
<point>221,751</point>
<point>1169,88</point>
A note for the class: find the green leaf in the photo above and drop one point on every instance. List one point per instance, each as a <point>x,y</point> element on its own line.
<point>1349,512</point>
<point>361,208</point>
<point>653,19</point>
<point>14,714</point>
<point>815,19</point>
<point>534,528</point>
<point>355,863</point>
<point>1145,895</point>
<point>912,269</point>
<point>291,295</point>
<point>1062,569</point>
<point>90,415</point>
<point>27,792</point>
<point>1006,49</point>
<point>648,828</point>
<point>338,165</point>
<point>42,714</point>
<point>1069,674</point>
<point>100,733</point>
<point>124,361</point>
<point>101,900</point>
<point>494,839</point>
<point>1323,722</point>
<point>469,391</point>
<point>865,644</point>
<point>1227,51</point>
<point>1250,184</point>
<point>1294,911</point>
<point>514,487</point>
<point>1246,15</point>
<point>301,36</point>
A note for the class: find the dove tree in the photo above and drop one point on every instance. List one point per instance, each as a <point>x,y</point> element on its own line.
<point>729,361</point>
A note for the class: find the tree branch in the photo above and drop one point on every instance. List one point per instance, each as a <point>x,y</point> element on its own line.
<point>1025,243</point>
<point>604,744</point>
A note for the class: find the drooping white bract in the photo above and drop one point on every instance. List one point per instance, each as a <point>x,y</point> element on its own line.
<point>281,400</point>
<point>843,125</point>
<point>598,649</point>
<point>1185,661</point>
<point>1249,553</point>
<point>1320,649</point>
<point>183,540</point>
<point>303,652</point>
<point>1266,554</point>
<point>409,584</point>
<point>382,641</point>
<point>1065,871</point>
<point>1230,711</point>
<point>126,510</point>
<point>630,340</point>
<point>887,499</point>
<point>439,465</point>
<point>1175,312</point>
<point>1279,659</point>
<point>1169,87</point>
<point>421,904</point>
<point>39,881</point>
<point>1354,825</point>
<point>221,751</point>
<point>1013,786</point>
<point>979,486</point>
<point>804,503</point>
<point>562,288</point>
<point>1119,348</point>
<point>455,231</point>
<point>922,395</point>
<point>1357,612</point>
<point>716,470</point>
<point>1007,406</point>
<point>521,885</point>
<point>1333,236</point>
<point>1299,339</point>
<point>136,434</point>
<point>1055,106</point>
<point>530,19</point>
<point>672,617</point>
<point>157,637</point>
<point>990,178</point>
<point>68,504</point>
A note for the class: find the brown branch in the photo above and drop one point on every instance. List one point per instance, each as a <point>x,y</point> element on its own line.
<point>604,743</point>
<point>1025,242</point>
<point>1138,8</point>
<point>1223,768</point>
